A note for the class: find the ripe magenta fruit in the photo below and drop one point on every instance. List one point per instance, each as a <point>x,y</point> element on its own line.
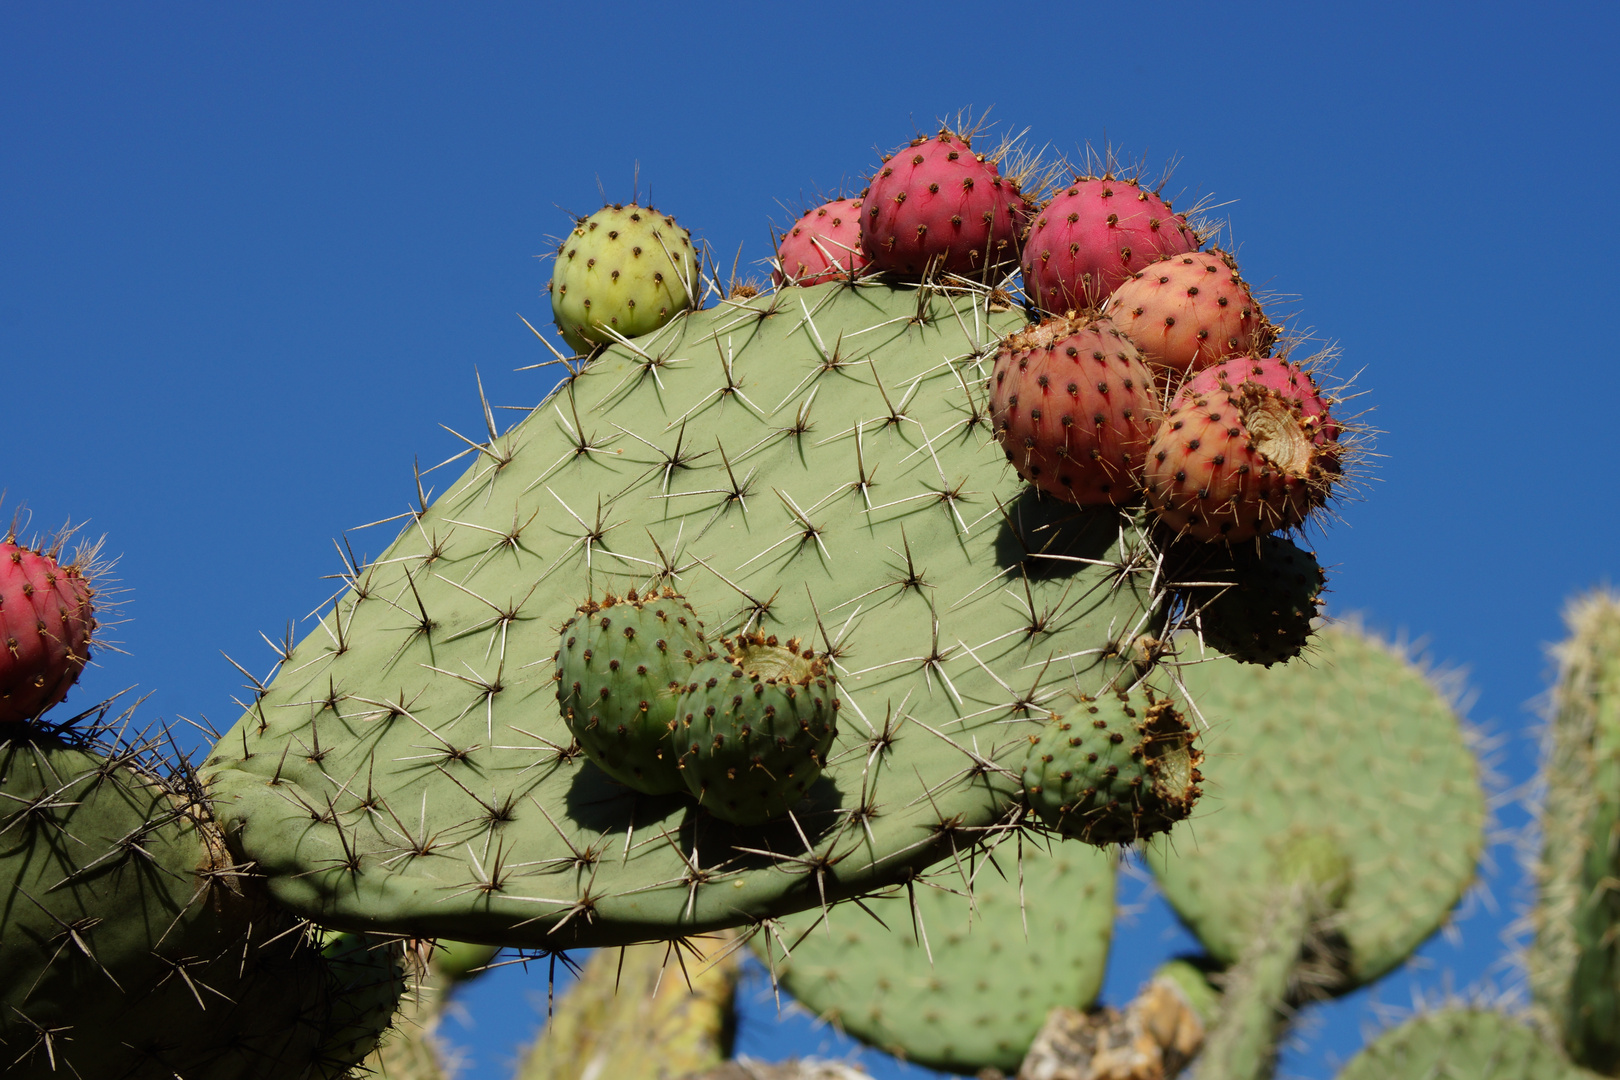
<point>1092,236</point>
<point>1248,447</point>
<point>1074,408</point>
<point>823,245</point>
<point>937,199</point>
<point>46,621</point>
<point>1185,312</point>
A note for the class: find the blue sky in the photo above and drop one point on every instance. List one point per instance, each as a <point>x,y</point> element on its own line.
<point>254,256</point>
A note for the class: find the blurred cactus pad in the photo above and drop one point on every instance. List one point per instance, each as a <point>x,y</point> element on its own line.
<point>817,463</point>
<point>960,975</point>
<point>1351,747</point>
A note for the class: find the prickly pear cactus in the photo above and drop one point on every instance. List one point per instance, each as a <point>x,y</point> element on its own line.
<point>654,1012</point>
<point>1461,1042</point>
<point>1274,972</point>
<point>134,947</point>
<point>817,463</point>
<point>1574,961</point>
<point>961,975</point>
<point>624,271</point>
<point>1354,745</point>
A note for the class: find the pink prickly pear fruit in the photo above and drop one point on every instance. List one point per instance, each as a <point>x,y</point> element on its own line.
<point>938,200</point>
<point>1092,236</point>
<point>46,622</point>
<point>1074,407</point>
<point>1186,312</point>
<point>1291,381</point>
<point>1249,447</point>
<point>823,245</point>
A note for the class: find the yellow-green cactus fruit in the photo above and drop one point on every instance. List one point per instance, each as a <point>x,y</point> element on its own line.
<point>624,271</point>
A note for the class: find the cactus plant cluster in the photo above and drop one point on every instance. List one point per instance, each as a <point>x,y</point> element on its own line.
<point>870,617</point>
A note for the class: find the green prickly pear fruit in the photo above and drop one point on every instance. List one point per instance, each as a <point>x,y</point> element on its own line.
<point>1265,616</point>
<point>624,271</point>
<point>754,728</point>
<point>1113,769</point>
<point>620,668</point>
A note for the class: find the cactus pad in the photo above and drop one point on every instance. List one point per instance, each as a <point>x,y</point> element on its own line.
<point>1353,743</point>
<point>963,977</point>
<point>619,668</point>
<point>1461,1042</point>
<point>817,463</point>
<point>1110,771</point>
<point>1574,961</point>
<point>133,947</point>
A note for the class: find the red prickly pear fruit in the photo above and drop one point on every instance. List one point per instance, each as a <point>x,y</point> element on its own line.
<point>1248,447</point>
<point>823,245</point>
<point>1186,312</point>
<point>1291,381</point>
<point>46,622</point>
<point>938,200</point>
<point>1075,408</point>
<point>1092,236</point>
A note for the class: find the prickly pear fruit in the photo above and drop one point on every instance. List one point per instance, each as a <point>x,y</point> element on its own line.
<point>937,199</point>
<point>823,245</point>
<point>1185,312</point>
<point>754,728</point>
<point>625,270</point>
<point>1265,615</point>
<point>47,619</point>
<point>620,668</point>
<point>1074,408</point>
<point>1114,769</point>
<point>1092,236</point>
<point>1248,447</point>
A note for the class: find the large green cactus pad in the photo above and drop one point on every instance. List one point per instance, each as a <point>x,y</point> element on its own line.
<point>1461,1044</point>
<point>960,978</point>
<point>1350,743</point>
<point>814,463</point>
<point>132,947</point>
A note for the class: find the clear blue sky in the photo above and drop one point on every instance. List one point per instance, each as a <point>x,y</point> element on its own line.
<point>253,256</point>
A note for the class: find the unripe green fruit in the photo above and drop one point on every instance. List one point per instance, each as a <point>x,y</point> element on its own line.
<point>620,667</point>
<point>1265,616</point>
<point>754,728</point>
<point>1111,772</point>
<point>626,271</point>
